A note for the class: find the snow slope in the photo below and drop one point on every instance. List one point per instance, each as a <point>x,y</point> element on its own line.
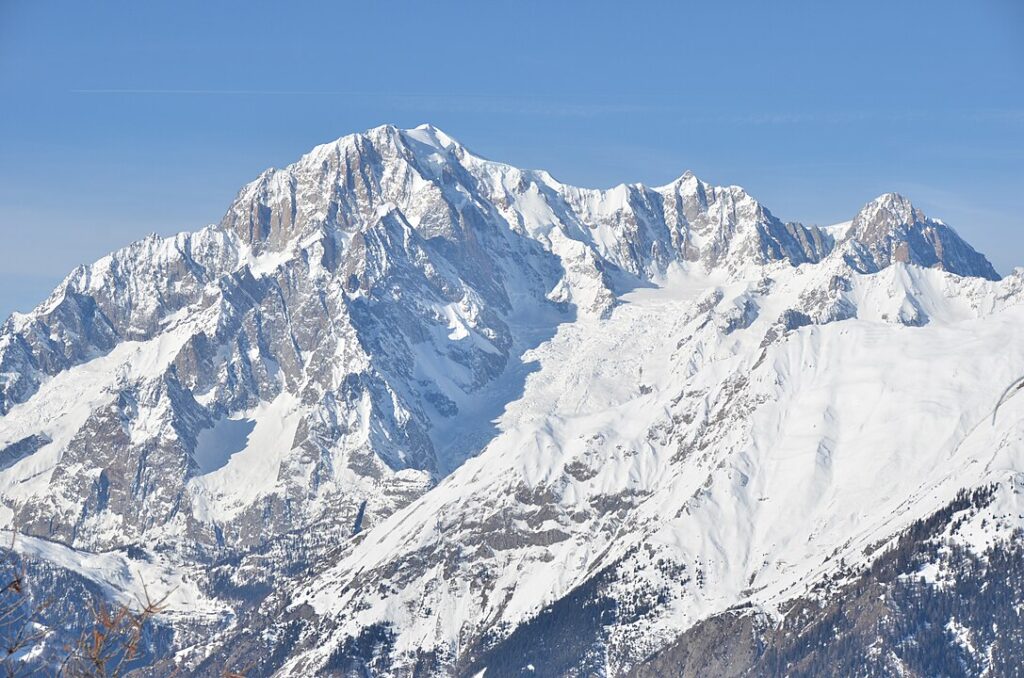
<point>403,386</point>
<point>699,450</point>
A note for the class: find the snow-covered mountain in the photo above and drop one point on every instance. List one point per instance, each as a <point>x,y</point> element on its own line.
<point>405,409</point>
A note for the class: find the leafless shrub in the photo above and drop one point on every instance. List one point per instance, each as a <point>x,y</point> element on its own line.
<point>21,627</point>
<point>114,639</point>
<point>109,647</point>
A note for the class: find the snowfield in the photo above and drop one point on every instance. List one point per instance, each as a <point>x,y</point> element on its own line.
<point>402,401</point>
<point>760,467</point>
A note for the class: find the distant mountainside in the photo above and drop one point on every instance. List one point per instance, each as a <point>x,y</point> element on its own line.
<point>408,411</point>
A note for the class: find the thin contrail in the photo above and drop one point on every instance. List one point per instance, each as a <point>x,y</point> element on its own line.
<point>493,103</point>
<point>230,92</point>
<point>478,103</point>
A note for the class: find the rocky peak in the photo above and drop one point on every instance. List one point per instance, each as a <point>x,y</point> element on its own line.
<point>885,213</point>
<point>890,229</point>
<point>727,227</point>
<point>391,310</point>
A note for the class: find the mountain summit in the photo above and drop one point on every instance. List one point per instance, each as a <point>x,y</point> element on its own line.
<point>890,229</point>
<point>408,409</point>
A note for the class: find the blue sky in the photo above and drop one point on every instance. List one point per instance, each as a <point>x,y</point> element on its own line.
<point>121,119</point>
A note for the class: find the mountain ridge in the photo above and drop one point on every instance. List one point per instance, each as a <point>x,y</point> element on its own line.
<point>403,353</point>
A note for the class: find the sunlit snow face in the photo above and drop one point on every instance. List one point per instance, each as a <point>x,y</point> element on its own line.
<point>463,387</point>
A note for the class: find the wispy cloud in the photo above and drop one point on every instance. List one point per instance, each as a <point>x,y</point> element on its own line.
<point>553,107</point>
<point>887,115</point>
<point>204,92</point>
<point>428,102</point>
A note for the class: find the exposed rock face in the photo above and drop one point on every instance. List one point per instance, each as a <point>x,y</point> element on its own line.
<point>889,229</point>
<point>402,400</point>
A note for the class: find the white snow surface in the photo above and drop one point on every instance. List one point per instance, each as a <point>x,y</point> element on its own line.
<point>128,581</point>
<point>252,470</point>
<point>723,415</point>
<point>759,467</point>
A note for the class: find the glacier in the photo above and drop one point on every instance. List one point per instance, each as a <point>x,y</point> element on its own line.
<point>402,402</point>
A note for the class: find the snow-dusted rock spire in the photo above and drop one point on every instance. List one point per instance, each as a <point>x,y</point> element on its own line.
<point>890,229</point>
